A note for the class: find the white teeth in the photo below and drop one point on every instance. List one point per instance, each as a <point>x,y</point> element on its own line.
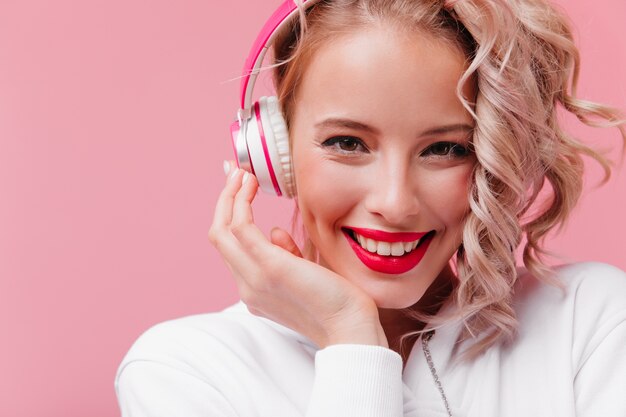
<point>397,248</point>
<point>385,248</point>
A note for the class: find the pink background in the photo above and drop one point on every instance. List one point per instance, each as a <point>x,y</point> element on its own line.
<point>113,127</point>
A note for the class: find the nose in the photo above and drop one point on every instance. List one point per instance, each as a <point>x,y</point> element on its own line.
<point>393,195</point>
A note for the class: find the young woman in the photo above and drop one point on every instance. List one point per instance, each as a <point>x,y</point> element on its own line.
<point>420,134</point>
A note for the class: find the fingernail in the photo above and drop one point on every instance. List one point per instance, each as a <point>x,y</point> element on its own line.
<point>245,177</point>
<point>233,173</point>
<point>226,167</point>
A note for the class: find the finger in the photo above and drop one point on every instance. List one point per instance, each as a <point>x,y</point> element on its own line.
<point>227,167</point>
<point>243,269</point>
<point>281,238</point>
<point>242,265</point>
<point>222,216</point>
<point>242,225</point>
<point>242,205</point>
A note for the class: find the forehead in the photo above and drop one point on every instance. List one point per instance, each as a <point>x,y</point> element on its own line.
<point>377,70</point>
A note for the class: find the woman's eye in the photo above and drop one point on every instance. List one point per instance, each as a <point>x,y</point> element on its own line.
<point>345,144</point>
<point>447,149</point>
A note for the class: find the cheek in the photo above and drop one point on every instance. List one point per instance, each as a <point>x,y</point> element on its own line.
<point>446,194</point>
<point>326,192</point>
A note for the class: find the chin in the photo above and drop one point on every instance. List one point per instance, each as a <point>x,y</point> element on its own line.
<point>395,304</point>
<point>400,299</point>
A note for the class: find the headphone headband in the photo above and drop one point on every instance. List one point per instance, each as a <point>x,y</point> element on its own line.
<point>259,135</point>
<point>251,69</point>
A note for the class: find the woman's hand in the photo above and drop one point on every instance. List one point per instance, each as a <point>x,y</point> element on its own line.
<point>276,282</point>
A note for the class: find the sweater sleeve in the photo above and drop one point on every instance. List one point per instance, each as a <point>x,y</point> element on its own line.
<point>350,380</point>
<point>234,365</point>
<point>357,380</point>
<point>147,388</point>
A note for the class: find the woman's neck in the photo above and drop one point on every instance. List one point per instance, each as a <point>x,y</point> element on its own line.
<point>395,323</point>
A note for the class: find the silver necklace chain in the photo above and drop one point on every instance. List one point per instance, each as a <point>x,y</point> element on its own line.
<point>429,359</point>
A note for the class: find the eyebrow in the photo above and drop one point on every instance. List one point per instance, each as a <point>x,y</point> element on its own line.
<point>353,124</point>
<point>347,123</point>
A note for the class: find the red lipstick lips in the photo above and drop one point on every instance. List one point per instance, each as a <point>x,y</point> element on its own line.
<point>389,264</point>
<point>388,236</point>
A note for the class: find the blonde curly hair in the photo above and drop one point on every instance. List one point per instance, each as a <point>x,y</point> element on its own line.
<point>522,57</point>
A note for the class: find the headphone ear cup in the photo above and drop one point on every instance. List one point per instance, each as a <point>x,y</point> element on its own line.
<point>261,144</point>
<point>277,138</point>
<point>271,111</point>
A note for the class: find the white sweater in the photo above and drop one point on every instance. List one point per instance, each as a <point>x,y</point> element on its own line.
<point>568,360</point>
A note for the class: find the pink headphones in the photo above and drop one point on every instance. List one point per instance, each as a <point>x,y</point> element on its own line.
<point>260,137</point>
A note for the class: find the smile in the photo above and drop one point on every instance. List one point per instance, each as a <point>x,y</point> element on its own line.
<point>390,253</point>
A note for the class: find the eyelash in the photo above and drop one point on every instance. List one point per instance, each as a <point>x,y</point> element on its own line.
<point>453,150</point>
<point>337,141</point>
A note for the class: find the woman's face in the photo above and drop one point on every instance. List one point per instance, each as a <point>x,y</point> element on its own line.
<point>380,155</point>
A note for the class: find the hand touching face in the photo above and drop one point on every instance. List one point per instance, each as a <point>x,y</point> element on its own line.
<point>275,282</point>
